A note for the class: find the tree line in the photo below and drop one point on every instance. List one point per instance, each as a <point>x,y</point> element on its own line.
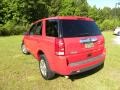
<point>16,15</point>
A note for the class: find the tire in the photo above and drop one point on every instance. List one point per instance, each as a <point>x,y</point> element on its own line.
<point>46,73</point>
<point>24,49</point>
<point>102,65</point>
<point>118,33</point>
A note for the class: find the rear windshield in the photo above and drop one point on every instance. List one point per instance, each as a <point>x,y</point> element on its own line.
<point>79,28</point>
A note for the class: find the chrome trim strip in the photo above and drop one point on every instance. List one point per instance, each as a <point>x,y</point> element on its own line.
<point>85,61</point>
<point>88,40</point>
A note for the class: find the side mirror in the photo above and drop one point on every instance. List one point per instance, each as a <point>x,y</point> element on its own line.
<point>26,33</point>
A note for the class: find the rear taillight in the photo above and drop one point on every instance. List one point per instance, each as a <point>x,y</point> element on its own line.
<point>101,40</point>
<point>59,47</point>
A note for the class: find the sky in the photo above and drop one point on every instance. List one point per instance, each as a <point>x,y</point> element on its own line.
<point>103,3</point>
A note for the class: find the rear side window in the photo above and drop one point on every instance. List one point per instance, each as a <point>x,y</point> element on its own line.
<point>32,29</point>
<point>78,28</point>
<point>52,28</point>
<point>38,30</point>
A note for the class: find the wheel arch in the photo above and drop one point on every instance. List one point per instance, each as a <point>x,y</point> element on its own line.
<point>40,52</point>
<point>22,42</point>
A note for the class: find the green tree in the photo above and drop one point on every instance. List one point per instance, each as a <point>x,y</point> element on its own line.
<point>34,9</point>
<point>53,7</point>
<point>1,12</point>
<point>83,5</point>
<point>74,7</point>
<point>106,13</point>
<point>109,24</point>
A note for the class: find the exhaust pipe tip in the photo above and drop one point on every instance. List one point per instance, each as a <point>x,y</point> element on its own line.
<point>67,77</point>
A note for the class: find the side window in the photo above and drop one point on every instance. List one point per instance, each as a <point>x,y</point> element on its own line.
<point>32,29</point>
<point>38,30</point>
<point>52,28</point>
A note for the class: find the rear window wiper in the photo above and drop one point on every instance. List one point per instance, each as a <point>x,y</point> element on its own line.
<point>78,35</point>
<point>84,34</point>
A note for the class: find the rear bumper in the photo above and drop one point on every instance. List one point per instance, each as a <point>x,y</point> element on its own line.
<point>86,61</point>
<point>62,67</point>
<point>87,69</point>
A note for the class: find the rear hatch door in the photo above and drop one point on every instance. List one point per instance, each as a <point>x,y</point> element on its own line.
<point>82,38</point>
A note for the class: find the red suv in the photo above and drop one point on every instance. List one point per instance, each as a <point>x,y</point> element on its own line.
<point>65,45</point>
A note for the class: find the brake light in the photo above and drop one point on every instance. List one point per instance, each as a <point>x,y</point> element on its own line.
<point>59,47</point>
<point>101,40</point>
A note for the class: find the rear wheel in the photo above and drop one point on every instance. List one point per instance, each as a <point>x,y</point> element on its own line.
<point>44,69</point>
<point>24,49</point>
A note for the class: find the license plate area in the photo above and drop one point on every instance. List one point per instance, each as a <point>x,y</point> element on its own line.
<point>89,45</point>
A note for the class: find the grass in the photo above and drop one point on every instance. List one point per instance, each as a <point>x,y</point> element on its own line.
<point>20,72</point>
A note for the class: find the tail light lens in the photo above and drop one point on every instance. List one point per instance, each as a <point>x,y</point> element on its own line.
<point>102,40</point>
<point>59,47</point>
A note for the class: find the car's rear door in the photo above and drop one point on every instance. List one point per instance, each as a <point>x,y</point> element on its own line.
<point>36,39</point>
<point>28,38</point>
